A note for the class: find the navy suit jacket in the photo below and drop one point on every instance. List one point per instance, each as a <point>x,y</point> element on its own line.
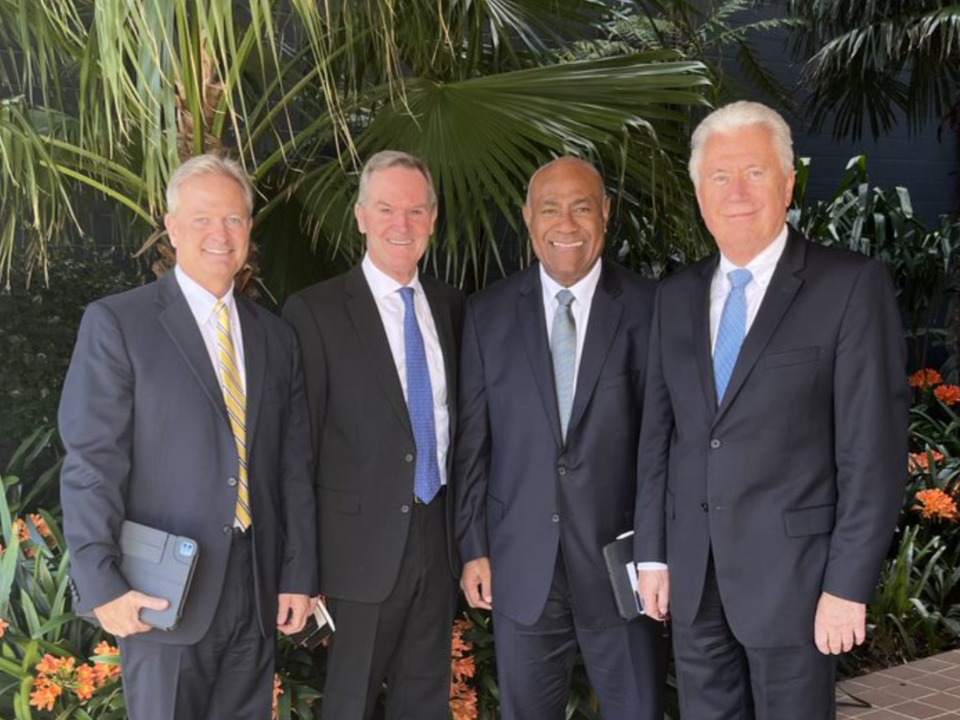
<point>795,481</point>
<point>521,491</point>
<point>148,439</point>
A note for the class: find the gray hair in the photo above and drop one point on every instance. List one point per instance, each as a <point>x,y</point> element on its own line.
<point>733,117</point>
<point>208,164</point>
<point>564,158</point>
<point>386,159</point>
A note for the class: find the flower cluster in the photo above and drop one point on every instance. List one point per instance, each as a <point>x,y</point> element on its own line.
<point>22,529</point>
<point>919,463</point>
<point>463,697</point>
<point>58,675</point>
<point>935,504</point>
<point>930,379</point>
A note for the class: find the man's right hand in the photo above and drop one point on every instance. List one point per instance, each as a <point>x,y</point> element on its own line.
<point>654,587</point>
<point>476,581</point>
<point>121,617</point>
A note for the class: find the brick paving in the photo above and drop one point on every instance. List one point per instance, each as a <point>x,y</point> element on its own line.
<point>922,690</point>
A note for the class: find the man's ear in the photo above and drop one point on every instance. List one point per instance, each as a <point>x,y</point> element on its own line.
<point>358,214</point>
<point>170,223</point>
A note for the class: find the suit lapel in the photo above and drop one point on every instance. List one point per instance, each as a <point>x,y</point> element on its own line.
<point>178,321</point>
<point>776,301</point>
<point>533,330</point>
<point>367,323</point>
<point>701,334</point>
<point>255,362</point>
<point>605,315</point>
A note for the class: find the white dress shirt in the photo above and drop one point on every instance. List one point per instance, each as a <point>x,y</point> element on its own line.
<point>761,267</point>
<point>386,293</point>
<point>201,303</point>
<point>583,291</point>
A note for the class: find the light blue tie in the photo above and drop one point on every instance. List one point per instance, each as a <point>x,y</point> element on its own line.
<point>563,349</point>
<point>733,326</point>
<point>426,479</point>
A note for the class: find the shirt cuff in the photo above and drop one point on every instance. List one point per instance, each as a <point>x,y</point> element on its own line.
<point>651,566</point>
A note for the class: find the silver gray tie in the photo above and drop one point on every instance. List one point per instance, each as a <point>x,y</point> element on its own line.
<point>563,349</point>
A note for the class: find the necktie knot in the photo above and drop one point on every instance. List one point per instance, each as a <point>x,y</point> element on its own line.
<point>739,278</point>
<point>565,298</point>
<point>407,294</point>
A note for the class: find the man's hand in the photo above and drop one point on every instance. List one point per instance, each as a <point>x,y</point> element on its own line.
<point>121,617</point>
<point>292,612</point>
<point>477,583</point>
<point>839,625</point>
<point>654,587</point>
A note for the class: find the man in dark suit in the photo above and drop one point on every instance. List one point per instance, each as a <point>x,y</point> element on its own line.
<point>184,409</point>
<point>551,392</point>
<point>380,347</point>
<point>773,453</point>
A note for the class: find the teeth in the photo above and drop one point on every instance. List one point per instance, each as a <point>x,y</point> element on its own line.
<point>399,242</point>
<point>577,244</point>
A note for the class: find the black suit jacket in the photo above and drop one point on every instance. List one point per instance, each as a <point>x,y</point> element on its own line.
<point>521,492</point>
<point>148,439</point>
<point>361,429</point>
<point>796,479</point>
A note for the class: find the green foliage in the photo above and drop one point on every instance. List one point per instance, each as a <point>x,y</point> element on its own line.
<point>38,326</point>
<point>881,223</point>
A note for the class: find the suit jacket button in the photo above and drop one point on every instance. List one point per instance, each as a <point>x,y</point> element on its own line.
<point>715,443</point>
<point>226,530</point>
<point>704,507</point>
<point>404,508</point>
<point>408,457</point>
<point>232,481</point>
<point>555,518</point>
<point>562,470</point>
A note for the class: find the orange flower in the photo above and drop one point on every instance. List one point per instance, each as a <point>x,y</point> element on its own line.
<point>52,665</point>
<point>3,627</point>
<point>919,463</point>
<point>20,527</point>
<point>277,692</point>
<point>85,682</point>
<point>105,672</point>
<point>935,504</point>
<point>45,694</point>
<point>463,697</point>
<point>41,525</point>
<point>926,378</point>
<point>947,394</point>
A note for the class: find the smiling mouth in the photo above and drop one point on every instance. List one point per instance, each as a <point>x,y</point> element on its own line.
<point>573,245</point>
<point>400,241</point>
<point>218,252</point>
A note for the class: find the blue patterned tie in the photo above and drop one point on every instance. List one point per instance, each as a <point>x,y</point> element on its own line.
<point>426,480</point>
<point>563,349</point>
<point>733,326</point>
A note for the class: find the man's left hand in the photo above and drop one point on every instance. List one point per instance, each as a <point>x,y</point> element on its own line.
<point>840,624</point>
<point>293,611</point>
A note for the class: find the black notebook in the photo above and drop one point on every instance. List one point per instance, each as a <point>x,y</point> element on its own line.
<point>618,556</point>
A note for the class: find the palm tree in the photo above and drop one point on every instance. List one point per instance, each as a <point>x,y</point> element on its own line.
<point>105,97</point>
<point>871,59</point>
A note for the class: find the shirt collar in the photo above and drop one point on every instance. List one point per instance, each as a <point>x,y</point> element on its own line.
<point>381,284</point>
<point>200,300</point>
<point>582,290</point>
<point>763,265</point>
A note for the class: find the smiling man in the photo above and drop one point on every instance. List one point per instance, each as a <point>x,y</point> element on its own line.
<point>551,389</point>
<point>184,409</point>
<point>772,459</point>
<point>380,347</point>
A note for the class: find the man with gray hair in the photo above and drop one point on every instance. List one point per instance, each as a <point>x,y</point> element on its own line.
<point>380,347</point>
<point>184,409</point>
<point>772,456</point>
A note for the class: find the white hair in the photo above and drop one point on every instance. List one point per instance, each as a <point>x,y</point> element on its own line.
<point>733,117</point>
<point>208,164</point>
<point>394,158</point>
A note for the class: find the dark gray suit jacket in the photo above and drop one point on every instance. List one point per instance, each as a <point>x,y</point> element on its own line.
<point>148,438</point>
<point>796,480</point>
<point>361,429</point>
<point>521,492</point>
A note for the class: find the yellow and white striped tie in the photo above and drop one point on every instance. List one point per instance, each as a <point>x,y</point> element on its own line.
<point>236,402</point>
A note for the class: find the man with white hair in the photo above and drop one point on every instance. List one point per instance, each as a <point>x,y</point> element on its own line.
<point>772,453</point>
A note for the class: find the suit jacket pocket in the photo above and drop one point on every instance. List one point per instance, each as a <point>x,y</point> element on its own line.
<point>617,381</point>
<point>816,520</point>
<point>790,357</point>
<point>340,501</point>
